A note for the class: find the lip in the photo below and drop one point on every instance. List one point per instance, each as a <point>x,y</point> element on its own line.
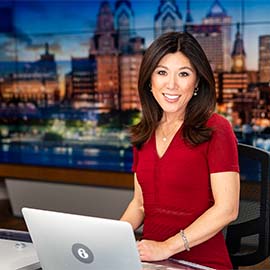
<point>170,97</point>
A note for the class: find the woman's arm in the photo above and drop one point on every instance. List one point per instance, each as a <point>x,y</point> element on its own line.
<point>134,214</point>
<point>225,187</point>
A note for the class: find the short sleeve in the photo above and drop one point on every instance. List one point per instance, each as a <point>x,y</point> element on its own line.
<point>135,159</point>
<point>222,149</point>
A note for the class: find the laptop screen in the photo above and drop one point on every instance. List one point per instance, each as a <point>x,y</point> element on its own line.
<point>67,242</point>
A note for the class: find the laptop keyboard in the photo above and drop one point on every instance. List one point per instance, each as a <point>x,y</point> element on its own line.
<point>15,235</point>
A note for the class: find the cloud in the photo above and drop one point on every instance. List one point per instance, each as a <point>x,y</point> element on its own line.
<point>8,50</point>
<point>37,47</point>
<point>19,35</point>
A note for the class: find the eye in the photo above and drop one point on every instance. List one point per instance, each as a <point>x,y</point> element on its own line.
<point>161,72</point>
<point>183,74</point>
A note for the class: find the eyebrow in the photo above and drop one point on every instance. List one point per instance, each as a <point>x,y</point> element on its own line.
<point>181,68</point>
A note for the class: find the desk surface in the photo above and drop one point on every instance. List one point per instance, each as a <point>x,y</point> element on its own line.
<point>17,251</point>
<point>67,175</point>
<point>18,255</point>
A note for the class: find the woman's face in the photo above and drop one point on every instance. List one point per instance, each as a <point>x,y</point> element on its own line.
<point>173,82</point>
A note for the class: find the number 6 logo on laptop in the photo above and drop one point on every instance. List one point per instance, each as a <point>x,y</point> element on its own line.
<point>82,253</point>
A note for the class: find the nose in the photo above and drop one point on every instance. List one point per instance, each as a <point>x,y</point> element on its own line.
<point>171,83</point>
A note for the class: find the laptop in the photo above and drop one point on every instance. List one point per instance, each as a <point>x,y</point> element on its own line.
<point>67,242</point>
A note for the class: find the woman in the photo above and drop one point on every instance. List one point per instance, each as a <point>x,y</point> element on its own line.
<point>186,172</point>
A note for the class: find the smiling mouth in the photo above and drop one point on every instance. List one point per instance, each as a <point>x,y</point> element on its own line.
<point>171,97</point>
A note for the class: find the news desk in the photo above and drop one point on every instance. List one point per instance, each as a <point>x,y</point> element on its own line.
<point>17,253</point>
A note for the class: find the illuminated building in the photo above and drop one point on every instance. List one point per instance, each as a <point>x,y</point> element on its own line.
<point>168,18</point>
<point>210,38</point>
<point>217,16</point>
<point>104,49</point>
<point>35,82</point>
<point>238,53</point>
<point>236,81</point>
<point>110,83</point>
<point>264,58</point>
<point>81,83</point>
<point>124,23</point>
<point>233,92</point>
<point>129,70</point>
<point>131,49</point>
<point>214,35</point>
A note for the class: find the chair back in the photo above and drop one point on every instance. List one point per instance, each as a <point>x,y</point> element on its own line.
<point>247,238</point>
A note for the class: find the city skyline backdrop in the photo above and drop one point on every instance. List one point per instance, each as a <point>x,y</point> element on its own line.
<point>68,26</point>
<point>69,69</point>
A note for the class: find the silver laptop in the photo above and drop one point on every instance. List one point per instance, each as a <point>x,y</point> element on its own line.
<point>68,242</point>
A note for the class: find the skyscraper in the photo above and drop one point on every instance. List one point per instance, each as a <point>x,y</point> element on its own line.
<point>264,58</point>
<point>81,83</point>
<point>217,16</point>
<point>124,23</point>
<point>214,35</point>
<point>168,18</point>
<point>104,48</point>
<point>210,38</point>
<point>189,18</point>
<point>115,53</point>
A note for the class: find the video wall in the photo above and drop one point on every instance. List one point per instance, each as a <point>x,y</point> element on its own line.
<point>69,69</point>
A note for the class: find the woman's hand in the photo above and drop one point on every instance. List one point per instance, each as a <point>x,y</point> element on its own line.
<point>153,251</point>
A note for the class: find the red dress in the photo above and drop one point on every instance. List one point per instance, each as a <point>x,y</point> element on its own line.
<point>176,188</point>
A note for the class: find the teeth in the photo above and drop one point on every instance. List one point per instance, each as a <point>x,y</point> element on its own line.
<point>171,96</point>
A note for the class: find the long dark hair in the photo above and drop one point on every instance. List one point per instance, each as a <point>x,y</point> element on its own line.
<point>199,108</point>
